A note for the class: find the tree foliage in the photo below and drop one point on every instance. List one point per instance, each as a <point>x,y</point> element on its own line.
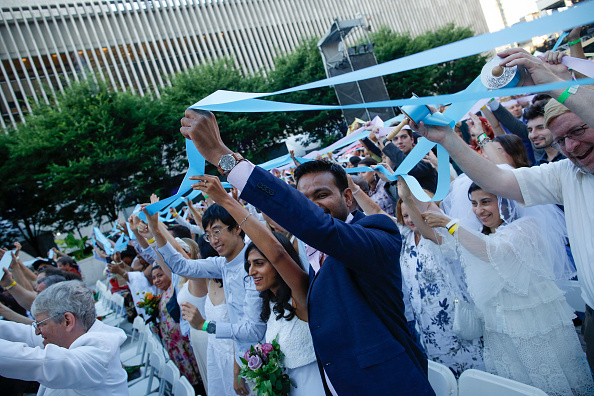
<point>442,78</point>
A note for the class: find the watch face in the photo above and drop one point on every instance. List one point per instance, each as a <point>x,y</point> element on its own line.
<point>227,162</point>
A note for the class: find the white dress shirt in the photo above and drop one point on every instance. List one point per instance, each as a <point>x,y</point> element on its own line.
<point>563,183</point>
<point>91,366</point>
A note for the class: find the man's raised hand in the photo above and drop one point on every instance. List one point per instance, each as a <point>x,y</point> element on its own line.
<point>201,127</point>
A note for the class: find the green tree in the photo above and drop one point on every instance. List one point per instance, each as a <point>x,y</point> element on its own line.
<point>96,153</point>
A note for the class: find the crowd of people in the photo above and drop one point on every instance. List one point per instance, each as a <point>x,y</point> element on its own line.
<point>358,281</point>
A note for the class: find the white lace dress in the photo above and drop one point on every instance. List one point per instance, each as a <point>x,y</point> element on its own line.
<point>219,354</point>
<point>295,342</point>
<point>529,335</point>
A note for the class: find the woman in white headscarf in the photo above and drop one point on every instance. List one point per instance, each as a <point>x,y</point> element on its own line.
<point>511,267</point>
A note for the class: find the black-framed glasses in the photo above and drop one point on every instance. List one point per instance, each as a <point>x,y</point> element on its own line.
<point>575,134</point>
<point>36,324</point>
<point>214,235</point>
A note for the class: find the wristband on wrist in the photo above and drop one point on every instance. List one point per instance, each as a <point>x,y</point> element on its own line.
<point>7,288</point>
<point>357,190</point>
<point>574,42</point>
<point>150,240</point>
<point>174,215</point>
<point>205,325</point>
<point>451,223</point>
<point>453,229</point>
<point>567,93</point>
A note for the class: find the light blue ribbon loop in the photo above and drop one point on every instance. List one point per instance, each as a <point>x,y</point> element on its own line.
<point>196,165</point>
<point>412,159</point>
<point>107,248</point>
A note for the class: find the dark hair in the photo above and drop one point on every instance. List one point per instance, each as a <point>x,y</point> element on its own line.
<point>179,231</point>
<point>539,97</point>
<point>317,166</point>
<point>68,260</point>
<point>368,161</point>
<point>217,212</point>
<point>128,252</point>
<point>49,271</point>
<point>515,148</point>
<point>52,280</point>
<point>71,275</point>
<point>40,262</point>
<point>535,110</point>
<point>354,160</point>
<point>475,187</point>
<point>282,297</point>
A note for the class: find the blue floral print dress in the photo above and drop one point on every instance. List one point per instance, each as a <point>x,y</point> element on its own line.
<point>432,293</point>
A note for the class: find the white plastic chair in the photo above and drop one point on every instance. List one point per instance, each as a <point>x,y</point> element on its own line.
<point>156,363</point>
<point>183,388</point>
<point>475,382</point>
<point>137,326</point>
<point>169,374</point>
<point>442,380</point>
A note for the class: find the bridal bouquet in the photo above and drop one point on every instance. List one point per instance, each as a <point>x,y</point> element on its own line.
<point>150,303</point>
<point>262,365</point>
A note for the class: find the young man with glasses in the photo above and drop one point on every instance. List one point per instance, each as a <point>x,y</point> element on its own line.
<point>243,300</point>
<point>66,349</point>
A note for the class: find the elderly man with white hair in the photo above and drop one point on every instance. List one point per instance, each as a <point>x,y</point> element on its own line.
<point>67,350</point>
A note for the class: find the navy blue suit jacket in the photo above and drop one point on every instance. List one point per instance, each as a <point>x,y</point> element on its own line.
<point>356,312</point>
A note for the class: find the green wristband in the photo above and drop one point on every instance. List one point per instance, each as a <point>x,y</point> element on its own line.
<point>205,325</point>
<point>575,42</point>
<point>570,90</point>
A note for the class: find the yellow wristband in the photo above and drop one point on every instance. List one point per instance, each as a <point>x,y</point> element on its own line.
<point>151,240</point>
<point>453,229</point>
<point>7,288</point>
<point>174,215</point>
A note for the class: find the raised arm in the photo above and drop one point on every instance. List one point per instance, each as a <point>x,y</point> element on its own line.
<point>541,72</point>
<point>296,278</point>
<point>483,172</point>
<point>416,210</point>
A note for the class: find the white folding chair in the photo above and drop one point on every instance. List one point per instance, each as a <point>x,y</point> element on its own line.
<point>137,325</point>
<point>475,382</point>
<point>156,363</point>
<point>169,375</point>
<point>183,388</point>
<point>442,380</point>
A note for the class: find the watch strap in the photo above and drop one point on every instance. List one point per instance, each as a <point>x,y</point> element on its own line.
<point>238,159</point>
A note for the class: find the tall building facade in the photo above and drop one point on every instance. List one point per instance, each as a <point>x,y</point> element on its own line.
<point>46,45</point>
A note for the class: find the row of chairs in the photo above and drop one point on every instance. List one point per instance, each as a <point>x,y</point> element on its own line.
<point>161,376</point>
<point>476,382</point>
<point>110,306</point>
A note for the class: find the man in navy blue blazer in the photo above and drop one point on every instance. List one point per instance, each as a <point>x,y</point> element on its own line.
<point>355,307</point>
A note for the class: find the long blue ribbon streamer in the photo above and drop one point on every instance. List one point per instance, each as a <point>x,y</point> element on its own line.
<point>560,40</point>
<point>578,15</point>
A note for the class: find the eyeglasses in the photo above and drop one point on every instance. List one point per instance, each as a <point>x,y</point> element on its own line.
<point>36,324</point>
<point>576,134</point>
<point>214,234</point>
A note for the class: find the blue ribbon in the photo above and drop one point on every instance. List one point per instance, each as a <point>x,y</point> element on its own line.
<point>560,40</point>
<point>107,248</point>
<point>196,166</point>
<point>581,14</point>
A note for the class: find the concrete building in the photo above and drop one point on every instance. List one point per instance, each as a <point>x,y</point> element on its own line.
<point>45,45</point>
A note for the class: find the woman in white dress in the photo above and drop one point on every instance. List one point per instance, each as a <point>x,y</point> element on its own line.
<point>275,267</point>
<point>528,331</point>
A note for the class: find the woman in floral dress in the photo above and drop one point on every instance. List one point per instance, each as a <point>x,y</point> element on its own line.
<point>178,346</point>
<point>432,286</point>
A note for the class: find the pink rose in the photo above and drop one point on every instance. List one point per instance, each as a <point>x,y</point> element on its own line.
<point>246,355</point>
<point>254,363</point>
<point>267,348</point>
